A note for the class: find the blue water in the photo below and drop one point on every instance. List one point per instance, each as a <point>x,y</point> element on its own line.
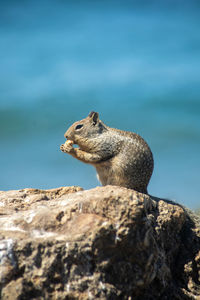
<point>135,62</point>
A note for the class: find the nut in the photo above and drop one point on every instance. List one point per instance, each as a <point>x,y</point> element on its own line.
<point>69,142</point>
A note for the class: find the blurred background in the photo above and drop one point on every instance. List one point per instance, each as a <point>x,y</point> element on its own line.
<point>135,62</point>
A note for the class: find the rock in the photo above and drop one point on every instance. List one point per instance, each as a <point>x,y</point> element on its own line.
<point>105,243</point>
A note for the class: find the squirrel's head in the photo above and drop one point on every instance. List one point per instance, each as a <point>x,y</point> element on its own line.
<point>85,130</point>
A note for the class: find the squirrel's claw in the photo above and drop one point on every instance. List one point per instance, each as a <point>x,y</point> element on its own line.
<point>62,148</point>
<point>67,147</point>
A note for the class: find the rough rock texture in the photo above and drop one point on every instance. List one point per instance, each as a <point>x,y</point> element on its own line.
<point>104,243</point>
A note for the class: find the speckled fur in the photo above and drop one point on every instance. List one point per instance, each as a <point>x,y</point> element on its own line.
<point>121,158</point>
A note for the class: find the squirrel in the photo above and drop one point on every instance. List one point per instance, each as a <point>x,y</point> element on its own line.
<point>121,158</point>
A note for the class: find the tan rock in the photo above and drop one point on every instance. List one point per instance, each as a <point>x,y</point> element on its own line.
<point>105,243</point>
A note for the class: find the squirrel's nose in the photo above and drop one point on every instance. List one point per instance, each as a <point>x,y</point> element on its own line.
<point>65,135</point>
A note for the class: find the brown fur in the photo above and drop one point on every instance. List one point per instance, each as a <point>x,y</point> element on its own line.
<point>121,158</point>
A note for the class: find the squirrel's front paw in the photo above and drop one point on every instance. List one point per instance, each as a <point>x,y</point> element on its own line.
<point>67,147</point>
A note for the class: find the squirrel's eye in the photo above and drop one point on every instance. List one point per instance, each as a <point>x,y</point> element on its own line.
<point>79,126</point>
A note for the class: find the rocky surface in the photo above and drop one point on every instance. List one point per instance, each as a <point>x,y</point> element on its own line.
<point>104,243</point>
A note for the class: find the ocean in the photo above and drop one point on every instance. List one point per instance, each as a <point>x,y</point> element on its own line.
<point>135,62</point>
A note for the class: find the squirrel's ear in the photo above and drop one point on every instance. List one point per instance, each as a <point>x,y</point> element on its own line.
<point>94,116</point>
